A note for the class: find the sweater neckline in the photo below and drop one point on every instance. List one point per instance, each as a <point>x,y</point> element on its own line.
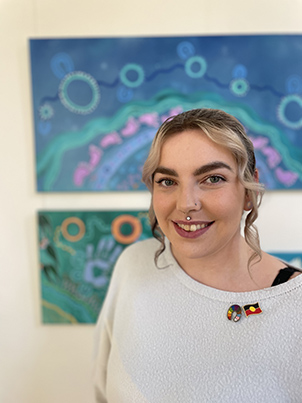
<point>167,261</point>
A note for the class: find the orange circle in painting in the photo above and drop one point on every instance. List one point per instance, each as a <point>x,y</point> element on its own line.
<point>126,219</point>
<point>76,221</point>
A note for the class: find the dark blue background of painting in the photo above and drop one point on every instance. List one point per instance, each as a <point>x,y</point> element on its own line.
<point>270,60</point>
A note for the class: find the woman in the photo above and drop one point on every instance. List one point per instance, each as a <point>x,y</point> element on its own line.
<point>194,315</point>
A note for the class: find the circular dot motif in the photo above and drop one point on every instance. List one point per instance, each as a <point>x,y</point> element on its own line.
<point>124,94</point>
<point>185,49</point>
<point>61,64</point>
<point>44,127</point>
<point>290,111</point>
<point>71,105</point>
<point>239,71</point>
<point>239,87</point>
<point>192,63</point>
<point>46,112</point>
<point>78,223</point>
<point>294,84</point>
<point>126,219</point>
<point>132,75</point>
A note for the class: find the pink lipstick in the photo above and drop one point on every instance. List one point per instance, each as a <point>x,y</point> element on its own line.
<point>192,229</point>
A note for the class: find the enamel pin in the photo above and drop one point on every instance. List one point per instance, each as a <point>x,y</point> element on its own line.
<point>235,311</point>
<point>252,309</point>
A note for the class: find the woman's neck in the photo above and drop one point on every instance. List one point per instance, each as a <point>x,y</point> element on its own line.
<point>227,269</point>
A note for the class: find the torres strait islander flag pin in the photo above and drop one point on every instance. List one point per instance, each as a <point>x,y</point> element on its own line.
<point>252,309</point>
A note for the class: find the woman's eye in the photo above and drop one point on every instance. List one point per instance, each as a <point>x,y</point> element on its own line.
<point>168,182</point>
<point>215,179</point>
<point>165,182</point>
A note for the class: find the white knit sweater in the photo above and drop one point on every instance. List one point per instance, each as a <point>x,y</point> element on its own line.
<point>162,337</point>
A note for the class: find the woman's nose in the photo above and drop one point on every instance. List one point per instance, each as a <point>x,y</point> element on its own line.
<point>188,200</point>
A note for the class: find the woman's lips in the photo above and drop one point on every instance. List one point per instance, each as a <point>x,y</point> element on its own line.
<point>193,229</point>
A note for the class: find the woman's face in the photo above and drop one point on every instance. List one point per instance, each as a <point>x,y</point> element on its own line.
<point>198,178</point>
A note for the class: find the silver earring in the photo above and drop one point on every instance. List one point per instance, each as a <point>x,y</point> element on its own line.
<point>188,218</point>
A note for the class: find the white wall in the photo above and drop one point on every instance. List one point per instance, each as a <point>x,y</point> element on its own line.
<point>51,364</point>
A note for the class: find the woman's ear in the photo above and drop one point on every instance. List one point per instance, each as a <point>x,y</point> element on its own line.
<point>256,176</point>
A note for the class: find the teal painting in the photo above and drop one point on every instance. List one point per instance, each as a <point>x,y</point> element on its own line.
<point>77,252</point>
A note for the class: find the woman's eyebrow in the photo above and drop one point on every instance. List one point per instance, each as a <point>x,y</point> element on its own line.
<point>165,171</point>
<point>211,166</point>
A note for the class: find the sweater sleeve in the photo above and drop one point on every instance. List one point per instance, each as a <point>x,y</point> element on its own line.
<point>105,333</point>
<point>103,336</point>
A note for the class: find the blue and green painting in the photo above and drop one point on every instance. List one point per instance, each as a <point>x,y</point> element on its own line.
<point>78,251</point>
<point>97,103</point>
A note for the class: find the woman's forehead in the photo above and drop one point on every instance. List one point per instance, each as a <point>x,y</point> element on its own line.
<point>195,146</point>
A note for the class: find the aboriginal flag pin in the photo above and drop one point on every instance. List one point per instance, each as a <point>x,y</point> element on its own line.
<point>252,309</point>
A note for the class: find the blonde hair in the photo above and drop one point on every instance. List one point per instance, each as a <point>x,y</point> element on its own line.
<point>227,131</point>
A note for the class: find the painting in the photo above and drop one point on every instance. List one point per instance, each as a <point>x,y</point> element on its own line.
<point>77,253</point>
<point>97,103</point>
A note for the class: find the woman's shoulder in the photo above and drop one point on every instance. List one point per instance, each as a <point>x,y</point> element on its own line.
<point>273,267</point>
<point>136,260</point>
